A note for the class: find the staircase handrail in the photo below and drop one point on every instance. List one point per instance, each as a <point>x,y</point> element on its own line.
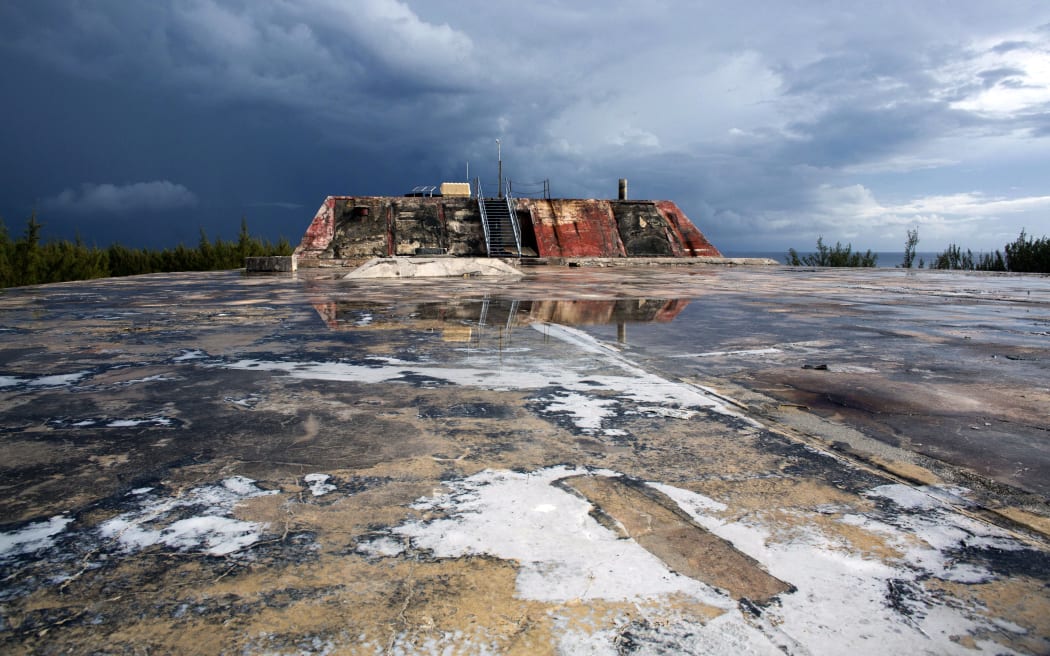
<point>484,215</point>
<point>512,211</point>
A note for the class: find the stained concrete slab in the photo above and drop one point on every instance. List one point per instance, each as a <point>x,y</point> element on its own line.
<point>583,460</point>
<point>438,267</point>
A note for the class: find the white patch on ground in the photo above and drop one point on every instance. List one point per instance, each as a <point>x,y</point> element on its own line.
<point>673,413</point>
<point>716,354</point>
<point>587,412</point>
<point>148,379</point>
<point>33,537</point>
<point>841,603</point>
<point>845,602</point>
<point>588,368</point>
<point>57,380</point>
<point>638,385</point>
<point>152,422</point>
<point>564,554</point>
<point>417,267</point>
<point>850,369</point>
<point>382,546</point>
<point>910,498</point>
<point>318,484</point>
<point>211,530</point>
<point>659,631</point>
<point>190,355</point>
<point>695,504</point>
<point>440,643</point>
<point>938,528</point>
<point>132,423</point>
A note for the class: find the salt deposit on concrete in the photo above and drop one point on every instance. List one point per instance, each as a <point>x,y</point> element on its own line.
<point>589,398</point>
<point>564,554</point>
<point>318,484</point>
<point>420,267</point>
<point>53,380</point>
<point>839,605</point>
<point>418,472</point>
<point>159,520</point>
<point>34,537</point>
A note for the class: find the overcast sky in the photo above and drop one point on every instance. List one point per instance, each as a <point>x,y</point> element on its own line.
<point>769,123</point>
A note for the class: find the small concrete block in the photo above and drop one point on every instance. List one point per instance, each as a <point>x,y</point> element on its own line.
<point>272,263</point>
<point>455,188</point>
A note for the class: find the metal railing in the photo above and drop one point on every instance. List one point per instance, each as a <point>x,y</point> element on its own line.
<point>499,229</point>
<point>484,216</point>
<point>538,189</point>
<point>512,212</point>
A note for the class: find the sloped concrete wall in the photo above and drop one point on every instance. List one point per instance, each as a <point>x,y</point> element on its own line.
<point>613,228</point>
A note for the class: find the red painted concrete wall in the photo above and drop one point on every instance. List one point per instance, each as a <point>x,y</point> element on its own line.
<point>589,228</point>
<point>320,231</point>
<point>573,228</point>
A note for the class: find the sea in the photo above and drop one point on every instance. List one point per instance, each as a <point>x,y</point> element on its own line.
<point>889,259</point>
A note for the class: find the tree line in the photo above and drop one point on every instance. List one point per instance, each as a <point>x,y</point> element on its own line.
<point>1025,254</point>
<point>30,261</point>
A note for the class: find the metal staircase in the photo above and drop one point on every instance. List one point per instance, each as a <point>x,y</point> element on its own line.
<point>500,222</point>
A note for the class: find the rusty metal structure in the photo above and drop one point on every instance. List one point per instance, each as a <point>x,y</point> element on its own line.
<point>356,227</point>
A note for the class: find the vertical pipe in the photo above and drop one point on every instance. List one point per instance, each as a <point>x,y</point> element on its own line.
<point>623,188</point>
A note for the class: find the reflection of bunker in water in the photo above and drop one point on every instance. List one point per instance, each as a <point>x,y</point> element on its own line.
<point>464,320</point>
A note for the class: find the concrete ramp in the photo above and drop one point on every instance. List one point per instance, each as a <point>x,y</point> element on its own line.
<point>437,267</point>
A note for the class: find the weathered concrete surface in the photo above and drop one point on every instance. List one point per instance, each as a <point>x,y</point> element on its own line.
<point>348,227</point>
<point>425,267</point>
<point>354,227</point>
<point>574,228</point>
<point>271,264</point>
<point>213,463</point>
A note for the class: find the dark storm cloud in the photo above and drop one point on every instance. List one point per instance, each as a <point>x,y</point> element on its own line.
<point>853,134</point>
<point>159,195</point>
<point>757,116</point>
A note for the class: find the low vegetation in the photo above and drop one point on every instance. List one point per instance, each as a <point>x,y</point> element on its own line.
<point>1023,255</point>
<point>837,256</point>
<point>28,261</point>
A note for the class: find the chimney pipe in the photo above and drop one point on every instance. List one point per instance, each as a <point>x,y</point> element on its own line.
<point>623,188</point>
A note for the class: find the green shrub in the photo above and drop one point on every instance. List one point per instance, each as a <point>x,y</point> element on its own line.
<point>909,249</point>
<point>1028,255</point>
<point>837,256</point>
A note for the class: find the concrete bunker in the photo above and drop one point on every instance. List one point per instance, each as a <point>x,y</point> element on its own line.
<point>456,222</point>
